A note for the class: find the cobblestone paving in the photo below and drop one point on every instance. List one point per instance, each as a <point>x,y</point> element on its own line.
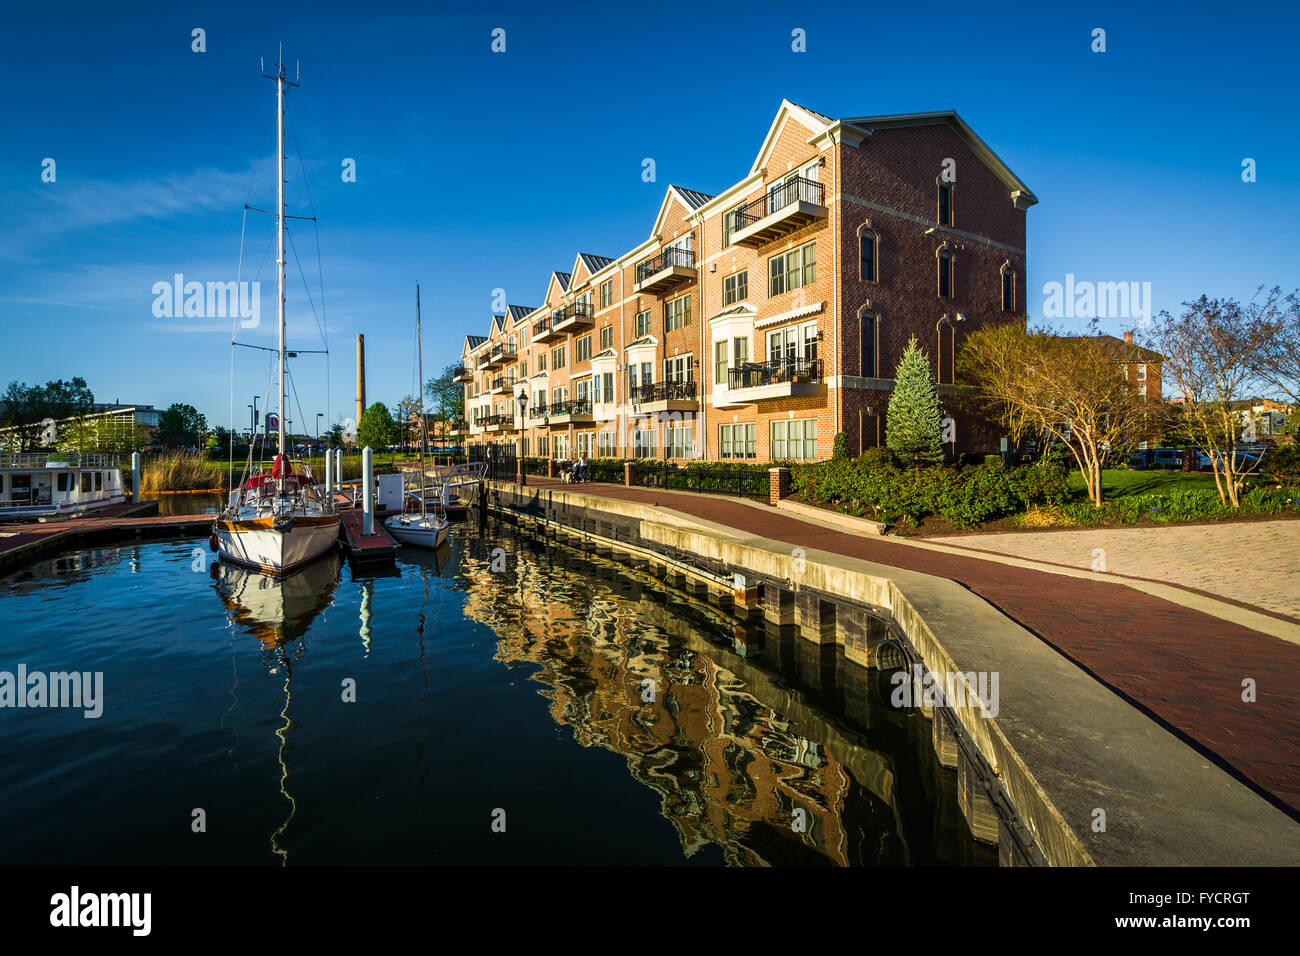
<point>1255,562</point>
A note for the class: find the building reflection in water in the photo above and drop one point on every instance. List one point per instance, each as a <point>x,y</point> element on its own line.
<point>741,756</point>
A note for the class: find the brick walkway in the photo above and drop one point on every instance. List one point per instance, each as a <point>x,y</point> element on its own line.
<point>1254,562</point>
<point>1181,666</point>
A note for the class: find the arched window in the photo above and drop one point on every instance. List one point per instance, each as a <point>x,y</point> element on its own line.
<point>1008,288</point>
<point>868,332</point>
<point>945,274</point>
<point>868,255</point>
<point>945,361</point>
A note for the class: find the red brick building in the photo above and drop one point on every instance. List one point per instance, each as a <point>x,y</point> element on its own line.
<point>757,323</point>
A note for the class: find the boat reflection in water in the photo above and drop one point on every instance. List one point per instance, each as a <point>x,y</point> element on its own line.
<point>278,611</point>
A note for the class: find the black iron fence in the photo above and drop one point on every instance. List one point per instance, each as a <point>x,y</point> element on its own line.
<point>741,482</point>
<point>665,260</point>
<point>500,460</point>
<point>775,372</point>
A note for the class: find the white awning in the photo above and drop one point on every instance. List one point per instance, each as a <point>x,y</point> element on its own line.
<point>787,316</point>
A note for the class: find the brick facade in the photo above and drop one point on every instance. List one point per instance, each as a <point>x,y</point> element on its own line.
<point>815,187</point>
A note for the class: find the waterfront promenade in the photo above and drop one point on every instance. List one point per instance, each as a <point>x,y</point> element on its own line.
<point>1174,653</point>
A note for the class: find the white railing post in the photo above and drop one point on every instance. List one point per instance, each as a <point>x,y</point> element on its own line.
<point>329,477</point>
<point>367,491</point>
<point>135,477</point>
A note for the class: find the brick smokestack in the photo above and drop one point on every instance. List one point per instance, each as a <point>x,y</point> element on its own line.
<point>361,376</point>
<point>1128,337</point>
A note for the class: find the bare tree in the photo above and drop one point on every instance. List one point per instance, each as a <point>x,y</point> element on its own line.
<point>1035,382</point>
<point>1211,353</point>
<point>1278,360</point>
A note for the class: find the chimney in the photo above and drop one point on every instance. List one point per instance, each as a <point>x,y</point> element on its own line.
<point>361,376</point>
<point>1128,338</point>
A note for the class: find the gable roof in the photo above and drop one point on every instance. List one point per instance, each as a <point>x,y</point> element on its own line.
<point>815,123</point>
<point>594,263</point>
<point>517,313</point>
<point>498,323</point>
<point>693,198</point>
<point>474,341</point>
<point>1019,191</point>
<point>1120,350</point>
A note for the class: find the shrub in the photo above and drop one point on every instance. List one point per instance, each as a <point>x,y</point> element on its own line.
<point>840,450</point>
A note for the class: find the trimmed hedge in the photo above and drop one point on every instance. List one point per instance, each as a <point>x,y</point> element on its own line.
<point>874,486</point>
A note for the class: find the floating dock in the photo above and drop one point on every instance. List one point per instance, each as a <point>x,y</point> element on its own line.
<point>30,541</point>
<point>361,546</point>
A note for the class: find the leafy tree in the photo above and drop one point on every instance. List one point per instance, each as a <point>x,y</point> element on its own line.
<point>406,410</point>
<point>377,428</point>
<point>914,421</point>
<point>181,424</point>
<point>28,407</point>
<point>445,396</point>
<point>334,435</point>
<point>1071,389</point>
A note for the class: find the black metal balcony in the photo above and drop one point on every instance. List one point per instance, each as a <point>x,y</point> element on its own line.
<point>498,382</point>
<point>570,408</point>
<point>781,210</point>
<point>460,373</point>
<point>578,314</point>
<point>784,371</point>
<point>665,393</point>
<point>544,331</point>
<point>498,355</point>
<point>665,270</point>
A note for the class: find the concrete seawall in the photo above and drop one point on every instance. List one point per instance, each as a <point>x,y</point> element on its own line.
<point>1066,772</point>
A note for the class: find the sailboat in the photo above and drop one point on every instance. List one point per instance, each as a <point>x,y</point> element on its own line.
<point>277,520</point>
<point>424,530</point>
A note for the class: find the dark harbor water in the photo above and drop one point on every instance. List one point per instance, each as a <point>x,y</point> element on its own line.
<point>605,719</point>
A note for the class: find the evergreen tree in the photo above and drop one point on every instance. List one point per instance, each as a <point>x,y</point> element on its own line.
<point>914,423</point>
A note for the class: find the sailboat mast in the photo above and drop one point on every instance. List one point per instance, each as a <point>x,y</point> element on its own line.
<point>279,235</point>
<point>419,384</point>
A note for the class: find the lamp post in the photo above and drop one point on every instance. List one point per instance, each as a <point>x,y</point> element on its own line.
<point>319,416</point>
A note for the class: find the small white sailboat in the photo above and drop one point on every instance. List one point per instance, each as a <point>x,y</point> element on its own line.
<point>424,530</point>
<point>277,520</point>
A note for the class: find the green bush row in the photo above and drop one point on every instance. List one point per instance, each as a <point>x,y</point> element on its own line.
<point>874,486</point>
<point>1193,504</point>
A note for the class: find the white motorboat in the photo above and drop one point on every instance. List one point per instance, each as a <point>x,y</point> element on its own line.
<point>278,519</point>
<point>57,484</point>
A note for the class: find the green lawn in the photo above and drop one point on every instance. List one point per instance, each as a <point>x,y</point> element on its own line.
<point>1120,482</point>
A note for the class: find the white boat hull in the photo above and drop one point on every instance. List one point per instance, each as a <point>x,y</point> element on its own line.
<point>428,532</point>
<point>256,543</point>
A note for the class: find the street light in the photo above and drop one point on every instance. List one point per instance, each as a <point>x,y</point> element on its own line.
<point>319,416</point>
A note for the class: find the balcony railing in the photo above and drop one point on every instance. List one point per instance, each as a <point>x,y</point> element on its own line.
<point>796,196</point>
<point>542,327</point>
<point>777,372</point>
<point>581,309</point>
<point>663,392</point>
<point>459,372</point>
<point>498,381</point>
<point>670,267</point>
<point>576,406</point>
<point>487,420</point>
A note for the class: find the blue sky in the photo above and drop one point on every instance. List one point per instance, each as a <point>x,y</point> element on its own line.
<point>478,170</point>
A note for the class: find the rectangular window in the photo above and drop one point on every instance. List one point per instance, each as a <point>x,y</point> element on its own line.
<point>794,439</point>
<point>643,323</point>
<point>867,256</point>
<point>680,442</point>
<point>543,446</point>
<point>605,445</point>
<point>582,351</point>
<point>735,288</point>
<point>792,270</point>
<point>582,389</point>
<point>607,338</point>
<point>677,313</point>
<point>720,363</point>
<point>557,357</point>
<point>678,368</point>
<point>609,387</point>
<point>85,482</point>
<point>607,293</point>
<point>63,481</point>
<point>643,443</point>
<point>737,440</point>
<point>1142,373</point>
<point>541,361</point>
<point>523,446</point>
<point>523,369</point>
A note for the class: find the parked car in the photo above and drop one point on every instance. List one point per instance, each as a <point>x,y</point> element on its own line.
<point>1171,458</point>
<point>1243,459</point>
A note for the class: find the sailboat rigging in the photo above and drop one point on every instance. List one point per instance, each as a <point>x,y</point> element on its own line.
<point>278,520</point>
<point>425,530</point>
